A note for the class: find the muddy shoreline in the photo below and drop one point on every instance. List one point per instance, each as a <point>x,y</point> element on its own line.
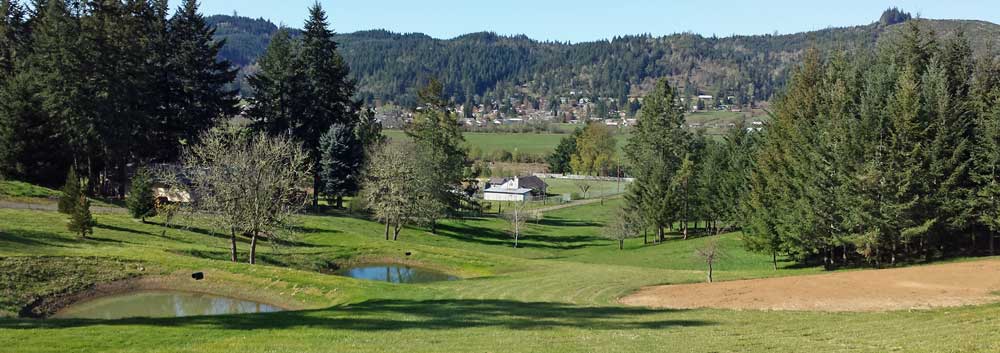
<point>45,307</point>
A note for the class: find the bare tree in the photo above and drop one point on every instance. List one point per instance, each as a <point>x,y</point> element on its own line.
<point>518,217</point>
<point>584,185</point>
<point>625,225</point>
<point>710,253</point>
<point>393,187</point>
<point>247,183</point>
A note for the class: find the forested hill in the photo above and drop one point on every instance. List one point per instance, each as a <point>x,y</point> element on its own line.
<point>389,65</point>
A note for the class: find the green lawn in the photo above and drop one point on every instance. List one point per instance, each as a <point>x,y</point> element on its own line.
<point>555,294</point>
<point>16,189</point>
<point>598,188</point>
<point>530,143</point>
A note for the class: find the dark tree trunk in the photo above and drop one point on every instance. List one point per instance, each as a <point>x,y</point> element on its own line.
<point>645,235</point>
<point>992,245</point>
<point>395,233</point>
<point>316,190</point>
<point>621,244</point>
<point>340,201</point>
<point>774,259</point>
<point>386,229</point>
<point>709,271</point>
<point>253,248</point>
<point>232,248</point>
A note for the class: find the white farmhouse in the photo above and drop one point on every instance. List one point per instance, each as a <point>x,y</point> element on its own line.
<point>504,194</point>
<point>516,189</point>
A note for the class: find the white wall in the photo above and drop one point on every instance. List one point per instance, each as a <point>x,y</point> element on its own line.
<point>491,196</point>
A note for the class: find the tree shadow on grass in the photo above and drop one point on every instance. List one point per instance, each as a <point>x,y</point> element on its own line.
<point>389,315</point>
<point>30,238</point>
<point>490,236</point>
<point>122,229</point>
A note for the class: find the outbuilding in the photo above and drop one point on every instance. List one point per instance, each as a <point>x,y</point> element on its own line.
<point>507,194</point>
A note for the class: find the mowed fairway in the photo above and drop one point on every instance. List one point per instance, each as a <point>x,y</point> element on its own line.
<point>559,293</point>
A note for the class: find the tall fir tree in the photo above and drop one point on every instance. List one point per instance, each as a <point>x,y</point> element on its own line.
<point>202,96</point>
<point>279,86</point>
<point>329,90</point>
<point>654,155</point>
<point>141,201</point>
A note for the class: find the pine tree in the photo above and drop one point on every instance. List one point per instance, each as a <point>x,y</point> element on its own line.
<point>202,96</point>
<point>279,90</point>
<point>441,150</point>
<point>141,201</point>
<point>81,221</point>
<point>58,68</point>
<point>341,156</point>
<point>986,153</point>
<point>369,131</point>
<point>559,160</point>
<point>654,154</point>
<point>13,32</point>
<point>71,193</point>
<point>329,91</point>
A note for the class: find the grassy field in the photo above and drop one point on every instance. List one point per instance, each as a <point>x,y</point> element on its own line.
<point>555,294</point>
<point>598,188</point>
<point>530,143</point>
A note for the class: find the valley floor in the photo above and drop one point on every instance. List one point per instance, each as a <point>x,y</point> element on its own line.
<point>557,293</point>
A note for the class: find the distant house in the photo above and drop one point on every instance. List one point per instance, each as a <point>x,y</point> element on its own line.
<point>514,189</point>
<point>503,194</point>
<point>163,191</point>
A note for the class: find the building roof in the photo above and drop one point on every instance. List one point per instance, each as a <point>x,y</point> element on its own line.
<point>498,180</point>
<point>520,191</point>
<point>532,182</point>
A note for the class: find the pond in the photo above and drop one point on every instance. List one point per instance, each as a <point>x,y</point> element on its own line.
<point>394,273</point>
<point>160,304</point>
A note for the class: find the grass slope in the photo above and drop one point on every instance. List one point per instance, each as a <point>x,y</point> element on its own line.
<point>556,294</point>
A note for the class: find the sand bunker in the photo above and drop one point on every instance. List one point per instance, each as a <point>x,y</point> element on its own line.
<point>920,287</point>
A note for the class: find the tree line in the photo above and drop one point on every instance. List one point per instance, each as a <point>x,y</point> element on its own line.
<point>871,156</point>
<point>102,86</point>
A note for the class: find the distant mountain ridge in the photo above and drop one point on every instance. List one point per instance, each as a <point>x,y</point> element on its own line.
<point>486,67</point>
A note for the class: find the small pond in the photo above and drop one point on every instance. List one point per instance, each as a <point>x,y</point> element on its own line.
<point>160,304</point>
<point>394,273</point>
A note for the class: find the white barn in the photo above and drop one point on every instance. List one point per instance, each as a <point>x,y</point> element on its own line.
<point>506,194</point>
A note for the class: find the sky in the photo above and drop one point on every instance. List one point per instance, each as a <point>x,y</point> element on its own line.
<point>588,20</point>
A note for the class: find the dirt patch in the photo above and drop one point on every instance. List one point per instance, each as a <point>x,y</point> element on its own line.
<point>921,287</point>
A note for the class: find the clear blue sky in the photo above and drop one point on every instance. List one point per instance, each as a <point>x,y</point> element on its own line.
<point>586,20</point>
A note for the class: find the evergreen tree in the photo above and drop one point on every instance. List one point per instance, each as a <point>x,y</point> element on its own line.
<point>441,151</point>
<point>58,68</point>
<point>369,131</point>
<point>279,87</point>
<point>329,91</point>
<point>81,221</point>
<point>71,193</point>
<point>340,160</point>
<point>141,201</point>
<point>201,78</point>
<point>986,153</point>
<point>559,160</point>
<point>654,154</point>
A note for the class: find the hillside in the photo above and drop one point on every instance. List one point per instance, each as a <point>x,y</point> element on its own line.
<point>750,68</point>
